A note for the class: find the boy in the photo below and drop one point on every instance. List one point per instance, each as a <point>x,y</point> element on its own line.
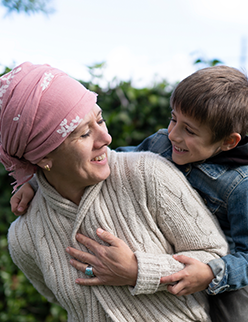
<point>206,139</point>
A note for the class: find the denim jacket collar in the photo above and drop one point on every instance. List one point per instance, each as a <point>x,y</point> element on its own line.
<point>213,171</point>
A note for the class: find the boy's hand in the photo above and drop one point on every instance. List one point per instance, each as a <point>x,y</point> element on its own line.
<point>115,264</point>
<point>20,200</point>
<point>195,277</point>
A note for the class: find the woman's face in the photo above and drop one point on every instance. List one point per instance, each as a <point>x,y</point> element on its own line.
<point>81,160</point>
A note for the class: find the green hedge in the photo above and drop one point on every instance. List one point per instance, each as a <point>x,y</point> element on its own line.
<point>131,115</point>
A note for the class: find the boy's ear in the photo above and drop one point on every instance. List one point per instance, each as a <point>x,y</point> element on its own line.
<point>230,142</point>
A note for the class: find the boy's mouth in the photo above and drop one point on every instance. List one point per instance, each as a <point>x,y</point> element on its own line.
<point>179,149</point>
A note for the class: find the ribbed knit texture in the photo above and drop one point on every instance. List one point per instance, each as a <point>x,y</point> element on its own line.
<point>147,203</point>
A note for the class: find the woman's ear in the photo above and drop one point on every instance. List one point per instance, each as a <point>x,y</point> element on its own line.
<point>231,142</point>
<point>45,164</point>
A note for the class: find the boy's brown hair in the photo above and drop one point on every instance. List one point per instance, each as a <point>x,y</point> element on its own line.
<point>217,97</point>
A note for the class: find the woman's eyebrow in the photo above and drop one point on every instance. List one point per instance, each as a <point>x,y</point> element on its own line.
<point>78,128</point>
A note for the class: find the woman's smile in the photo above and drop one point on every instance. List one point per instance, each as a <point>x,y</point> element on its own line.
<point>100,157</point>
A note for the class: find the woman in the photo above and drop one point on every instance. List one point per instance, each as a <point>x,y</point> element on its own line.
<point>50,124</point>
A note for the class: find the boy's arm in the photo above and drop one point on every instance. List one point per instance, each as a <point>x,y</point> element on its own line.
<point>230,272</point>
<point>193,234</point>
<point>20,200</point>
<point>195,277</point>
<point>233,274</point>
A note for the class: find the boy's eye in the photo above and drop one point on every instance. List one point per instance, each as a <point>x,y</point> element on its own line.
<point>189,131</point>
<point>172,119</point>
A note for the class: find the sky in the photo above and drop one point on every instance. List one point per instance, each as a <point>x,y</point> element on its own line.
<point>140,40</point>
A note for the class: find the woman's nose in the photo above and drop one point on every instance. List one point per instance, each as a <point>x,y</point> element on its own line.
<point>103,137</point>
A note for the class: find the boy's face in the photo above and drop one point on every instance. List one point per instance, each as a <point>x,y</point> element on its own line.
<point>191,140</point>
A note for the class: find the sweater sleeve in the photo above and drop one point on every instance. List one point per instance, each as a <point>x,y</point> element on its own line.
<point>183,219</point>
<point>23,254</point>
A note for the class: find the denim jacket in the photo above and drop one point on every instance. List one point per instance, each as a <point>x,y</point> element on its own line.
<point>224,189</point>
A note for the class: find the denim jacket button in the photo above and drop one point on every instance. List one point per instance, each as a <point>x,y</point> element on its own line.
<point>205,201</point>
<point>187,169</point>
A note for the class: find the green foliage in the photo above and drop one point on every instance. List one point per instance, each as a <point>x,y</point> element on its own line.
<point>6,70</point>
<point>131,115</point>
<point>27,6</point>
<point>202,62</point>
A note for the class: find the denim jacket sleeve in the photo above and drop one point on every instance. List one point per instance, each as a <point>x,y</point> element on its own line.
<point>231,271</point>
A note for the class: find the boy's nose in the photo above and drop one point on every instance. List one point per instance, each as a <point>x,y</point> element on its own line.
<point>174,135</point>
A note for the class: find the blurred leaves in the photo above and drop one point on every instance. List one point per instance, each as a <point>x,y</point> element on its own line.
<point>28,6</point>
<point>131,113</point>
<point>203,62</point>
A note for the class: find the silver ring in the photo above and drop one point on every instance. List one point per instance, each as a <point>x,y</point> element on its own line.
<point>89,271</point>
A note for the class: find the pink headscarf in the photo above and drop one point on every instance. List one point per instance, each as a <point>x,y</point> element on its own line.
<point>39,107</point>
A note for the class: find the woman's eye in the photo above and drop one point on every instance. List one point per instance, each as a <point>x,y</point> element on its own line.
<point>85,135</point>
<point>101,121</point>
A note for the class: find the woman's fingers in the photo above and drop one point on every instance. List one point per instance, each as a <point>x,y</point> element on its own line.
<point>115,264</point>
<point>94,246</point>
<point>88,242</point>
<point>81,256</point>
<point>78,265</point>
<point>82,267</point>
<point>108,237</point>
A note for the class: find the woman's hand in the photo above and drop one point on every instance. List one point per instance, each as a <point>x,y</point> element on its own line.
<point>193,278</point>
<point>20,200</point>
<point>112,265</point>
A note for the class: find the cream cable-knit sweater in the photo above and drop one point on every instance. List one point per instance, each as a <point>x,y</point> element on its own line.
<point>146,202</point>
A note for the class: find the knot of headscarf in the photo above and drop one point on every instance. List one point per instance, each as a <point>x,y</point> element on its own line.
<point>39,107</point>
